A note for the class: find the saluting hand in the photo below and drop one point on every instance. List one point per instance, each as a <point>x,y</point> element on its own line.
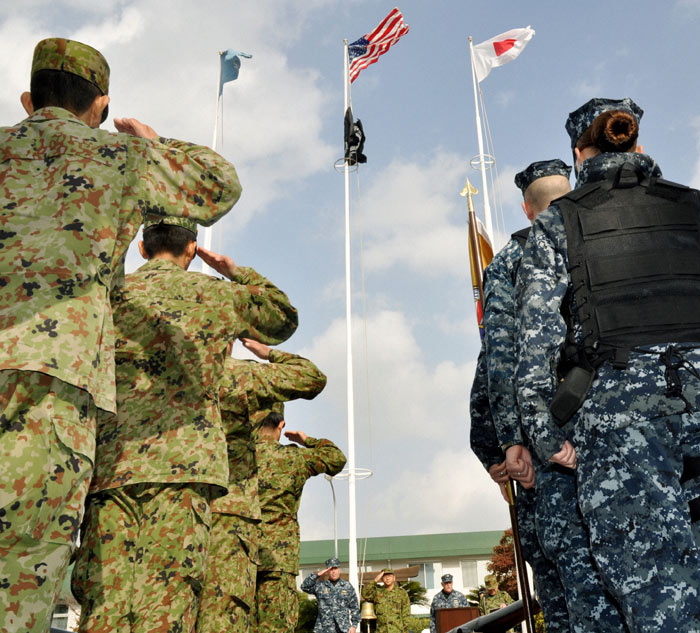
<point>220,263</point>
<point>259,349</point>
<point>296,436</point>
<point>135,128</point>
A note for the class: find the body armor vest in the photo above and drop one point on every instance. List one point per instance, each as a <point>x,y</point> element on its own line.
<point>521,236</point>
<point>634,262</point>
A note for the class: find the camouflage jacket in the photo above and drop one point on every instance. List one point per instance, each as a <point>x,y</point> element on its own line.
<point>282,473</point>
<point>443,600</point>
<point>71,201</point>
<point>173,328</point>
<point>543,284</point>
<point>250,387</point>
<point>392,608</point>
<point>500,342</point>
<point>488,604</point>
<point>482,433</point>
<point>338,608</point>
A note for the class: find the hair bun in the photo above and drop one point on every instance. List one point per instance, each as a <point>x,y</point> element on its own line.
<point>615,131</point>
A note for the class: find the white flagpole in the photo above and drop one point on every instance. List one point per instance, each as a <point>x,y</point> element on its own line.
<point>207,231</point>
<point>352,518</point>
<point>484,189</point>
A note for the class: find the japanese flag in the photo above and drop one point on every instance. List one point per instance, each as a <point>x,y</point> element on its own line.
<point>499,50</point>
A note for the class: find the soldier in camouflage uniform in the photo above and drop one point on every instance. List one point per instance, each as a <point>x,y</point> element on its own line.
<point>248,391</point>
<point>559,525</point>
<point>493,598</point>
<point>338,609</point>
<point>162,458</point>
<point>392,605</point>
<point>641,411</point>
<point>282,472</point>
<point>72,201</point>
<point>448,598</point>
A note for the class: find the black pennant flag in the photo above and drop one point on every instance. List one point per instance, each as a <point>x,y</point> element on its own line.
<point>354,140</point>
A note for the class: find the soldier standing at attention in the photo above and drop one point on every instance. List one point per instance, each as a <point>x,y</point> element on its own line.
<point>611,275</point>
<point>248,391</point>
<point>338,609</point>
<point>448,598</point>
<point>71,201</point>
<point>282,473</point>
<point>551,508</point>
<point>392,605</point>
<point>162,458</point>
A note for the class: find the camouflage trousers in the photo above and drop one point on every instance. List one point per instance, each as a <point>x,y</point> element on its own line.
<point>276,602</point>
<point>142,558</point>
<point>564,539</point>
<point>228,594</point>
<point>47,430</point>
<point>630,439</point>
<point>548,586</point>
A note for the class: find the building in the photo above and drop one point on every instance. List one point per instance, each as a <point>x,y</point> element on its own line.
<point>462,554</point>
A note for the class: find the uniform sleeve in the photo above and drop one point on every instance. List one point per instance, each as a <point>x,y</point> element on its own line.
<point>406,610</point>
<point>309,584</point>
<point>463,602</point>
<point>354,607</point>
<point>482,433</point>
<point>265,312</point>
<point>323,457</point>
<point>540,289</point>
<point>290,377</point>
<point>433,625</point>
<point>369,592</point>
<point>180,178</point>
<point>500,333</point>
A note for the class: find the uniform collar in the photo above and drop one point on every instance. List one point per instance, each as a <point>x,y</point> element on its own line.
<point>51,113</point>
<point>160,264</point>
<point>598,167</point>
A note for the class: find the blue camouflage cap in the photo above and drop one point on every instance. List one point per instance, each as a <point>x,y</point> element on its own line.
<point>332,562</point>
<point>540,169</point>
<point>581,119</point>
<point>153,219</point>
<point>446,578</point>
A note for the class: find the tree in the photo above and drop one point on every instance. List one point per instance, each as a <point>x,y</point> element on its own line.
<point>308,609</point>
<point>417,593</point>
<point>502,564</point>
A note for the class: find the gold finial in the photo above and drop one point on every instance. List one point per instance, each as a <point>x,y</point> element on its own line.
<point>469,189</point>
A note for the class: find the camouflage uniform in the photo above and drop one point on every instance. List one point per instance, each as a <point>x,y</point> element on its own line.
<point>249,388</point>
<point>392,608</point>
<point>490,603</point>
<point>443,600</point>
<point>282,473</point>
<point>72,201</point>
<point>173,331</point>
<point>338,609</point>
<point>627,437</point>
<point>560,532</point>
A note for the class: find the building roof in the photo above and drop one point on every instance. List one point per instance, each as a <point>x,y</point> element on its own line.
<point>456,544</point>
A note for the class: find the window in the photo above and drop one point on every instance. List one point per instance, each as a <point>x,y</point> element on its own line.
<point>469,576</point>
<point>426,575</point>
<point>59,619</point>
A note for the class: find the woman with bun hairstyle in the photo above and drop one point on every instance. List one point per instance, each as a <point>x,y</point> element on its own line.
<point>608,381</point>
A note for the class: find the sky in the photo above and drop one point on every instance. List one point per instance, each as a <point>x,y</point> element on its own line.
<point>414,330</point>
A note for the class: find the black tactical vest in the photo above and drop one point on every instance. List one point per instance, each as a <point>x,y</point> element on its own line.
<point>521,236</point>
<point>634,261</point>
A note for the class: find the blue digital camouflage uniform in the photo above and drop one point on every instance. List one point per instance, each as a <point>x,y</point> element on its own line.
<point>627,436</point>
<point>442,600</point>
<point>557,520</point>
<point>338,608</point>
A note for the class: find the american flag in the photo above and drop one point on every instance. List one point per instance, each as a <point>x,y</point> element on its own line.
<point>369,47</point>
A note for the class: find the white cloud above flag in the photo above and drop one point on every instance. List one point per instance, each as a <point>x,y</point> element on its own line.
<point>499,50</point>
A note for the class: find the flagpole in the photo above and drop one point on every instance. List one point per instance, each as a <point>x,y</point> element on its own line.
<point>352,518</point>
<point>207,231</point>
<point>480,140</point>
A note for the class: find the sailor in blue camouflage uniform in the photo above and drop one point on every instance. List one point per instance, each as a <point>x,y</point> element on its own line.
<point>558,522</point>
<point>338,608</point>
<point>447,598</point>
<point>558,550</point>
<point>629,241</point>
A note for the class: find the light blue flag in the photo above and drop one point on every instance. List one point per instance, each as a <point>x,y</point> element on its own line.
<point>230,65</point>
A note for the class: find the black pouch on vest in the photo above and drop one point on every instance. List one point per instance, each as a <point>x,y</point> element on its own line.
<point>571,394</point>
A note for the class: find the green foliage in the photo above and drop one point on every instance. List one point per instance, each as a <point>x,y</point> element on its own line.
<point>308,609</point>
<point>473,596</point>
<point>418,623</point>
<point>417,593</point>
<point>539,622</point>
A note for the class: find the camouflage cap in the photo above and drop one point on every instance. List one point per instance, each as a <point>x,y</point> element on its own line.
<point>540,169</point>
<point>153,219</point>
<point>490,581</point>
<point>581,119</point>
<point>446,578</point>
<point>57,53</point>
<point>388,570</point>
<point>332,562</point>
